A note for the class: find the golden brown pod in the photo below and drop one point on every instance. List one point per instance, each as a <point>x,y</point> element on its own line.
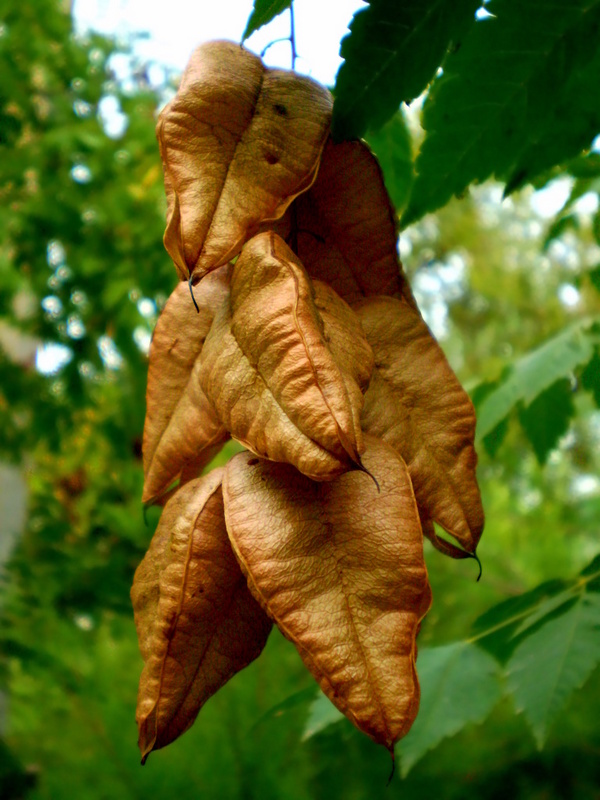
<point>197,622</point>
<point>181,431</point>
<point>238,142</point>
<point>416,403</point>
<point>344,228</point>
<point>269,371</point>
<point>340,568</point>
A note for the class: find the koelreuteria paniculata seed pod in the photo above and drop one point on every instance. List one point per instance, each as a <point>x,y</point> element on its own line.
<point>305,344</point>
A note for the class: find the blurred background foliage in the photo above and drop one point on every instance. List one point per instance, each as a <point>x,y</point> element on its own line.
<point>83,276</point>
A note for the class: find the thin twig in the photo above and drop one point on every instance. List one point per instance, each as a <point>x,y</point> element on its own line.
<point>291,38</point>
<point>275,41</point>
<point>293,35</point>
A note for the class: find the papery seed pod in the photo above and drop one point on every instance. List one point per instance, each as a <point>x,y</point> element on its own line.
<point>416,403</point>
<point>340,568</point>
<point>238,142</point>
<point>269,371</point>
<point>182,432</point>
<point>197,623</point>
<point>344,227</point>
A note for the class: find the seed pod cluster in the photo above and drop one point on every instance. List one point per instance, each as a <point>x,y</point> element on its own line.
<point>303,343</point>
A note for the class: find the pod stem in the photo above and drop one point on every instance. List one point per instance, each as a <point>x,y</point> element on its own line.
<point>192,293</point>
<point>392,773</point>
<point>362,468</point>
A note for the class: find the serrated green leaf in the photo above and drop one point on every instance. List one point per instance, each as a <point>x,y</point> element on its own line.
<point>390,56</point>
<point>571,121</point>
<point>493,440</point>
<point>549,665</point>
<point>393,147</point>
<point>517,98</point>
<point>460,685</point>
<point>263,12</point>
<point>322,714</point>
<point>535,372</point>
<point>547,418</point>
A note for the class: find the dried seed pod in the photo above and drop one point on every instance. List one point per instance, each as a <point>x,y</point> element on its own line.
<point>416,403</point>
<point>344,227</point>
<point>238,142</point>
<point>340,568</point>
<point>182,432</point>
<point>270,373</point>
<point>197,622</point>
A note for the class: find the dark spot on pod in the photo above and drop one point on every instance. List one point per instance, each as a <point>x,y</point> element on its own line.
<point>271,158</point>
<point>280,109</point>
<point>252,462</point>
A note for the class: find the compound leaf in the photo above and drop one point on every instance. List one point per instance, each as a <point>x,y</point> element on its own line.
<point>547,417</point>
<point>510,103</point>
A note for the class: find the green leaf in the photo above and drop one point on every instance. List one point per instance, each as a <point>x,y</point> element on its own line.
<point>561,225</point>
<point>587,166</point>
<point>590,377</point>
<point>493,440</point>
<point>547,417</point>
<point>535,372</point>
<point>498,630</point>
<point>545,609</point>
<point>570,122</point>
<point>596,227</point>
<point>263,12</point>
<point>298,699</point>
<point>391,54</point>
<point>518,97</point>
<point>459,686</point>
<point>550,664</point>
<point>393,147</point>
<point>595,277</point>
<point>591,575</point>
<point>322,714</point>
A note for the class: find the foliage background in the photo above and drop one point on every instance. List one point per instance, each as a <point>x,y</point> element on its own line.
<point>511,688</point>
